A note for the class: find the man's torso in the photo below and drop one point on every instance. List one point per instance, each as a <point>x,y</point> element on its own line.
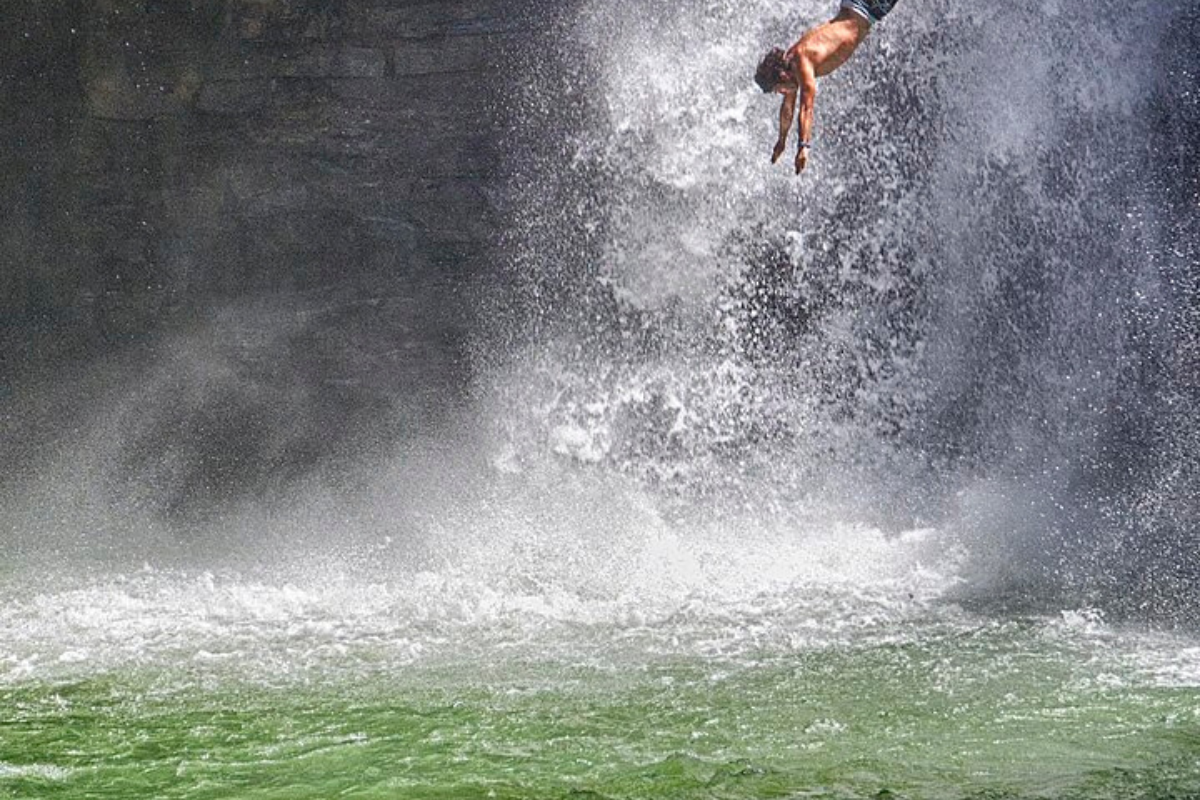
<point>826,47</point>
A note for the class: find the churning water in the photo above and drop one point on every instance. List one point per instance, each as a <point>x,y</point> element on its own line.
<point>879,482</point>
<point>975,311</point>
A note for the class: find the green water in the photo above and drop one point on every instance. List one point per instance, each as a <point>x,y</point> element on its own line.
<point>979,709</point>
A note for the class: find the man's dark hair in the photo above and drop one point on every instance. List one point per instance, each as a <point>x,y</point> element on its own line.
<point>772,64</point>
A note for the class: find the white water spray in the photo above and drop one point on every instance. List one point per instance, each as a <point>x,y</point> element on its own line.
<point>952,318</point>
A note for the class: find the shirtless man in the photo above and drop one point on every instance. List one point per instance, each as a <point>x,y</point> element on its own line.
<point>819,52</point>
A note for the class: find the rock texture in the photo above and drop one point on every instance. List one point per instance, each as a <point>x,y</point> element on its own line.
<point>313,183</point>
<point>174,151</point>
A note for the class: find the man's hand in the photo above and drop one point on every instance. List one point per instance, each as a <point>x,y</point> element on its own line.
<point>780,146</point>
<point>801,160</point>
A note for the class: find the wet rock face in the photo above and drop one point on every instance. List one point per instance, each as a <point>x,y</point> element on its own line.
<point>288,177</point>
<point>163,154</point>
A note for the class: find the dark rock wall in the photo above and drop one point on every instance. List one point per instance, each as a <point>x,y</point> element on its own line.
<point>245,230</point>
<point>163,155</point>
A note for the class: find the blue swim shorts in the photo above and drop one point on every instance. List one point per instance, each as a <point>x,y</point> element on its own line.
<point>871,10</point>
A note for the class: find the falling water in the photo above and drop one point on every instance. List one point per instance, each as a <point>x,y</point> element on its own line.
<point>971,313</point>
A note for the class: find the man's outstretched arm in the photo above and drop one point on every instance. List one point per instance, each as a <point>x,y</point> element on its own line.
<point>808,99</point>
<point>787,113</point>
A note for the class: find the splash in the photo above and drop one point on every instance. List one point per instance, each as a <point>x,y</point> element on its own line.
<point>958,317</point>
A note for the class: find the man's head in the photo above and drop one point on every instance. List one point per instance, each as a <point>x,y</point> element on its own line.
<point>774,72</point>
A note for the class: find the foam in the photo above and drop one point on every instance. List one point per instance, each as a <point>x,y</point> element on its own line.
<point>692,595</point>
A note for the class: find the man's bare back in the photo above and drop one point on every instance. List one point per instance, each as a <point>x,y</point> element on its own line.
<point>819,52</point>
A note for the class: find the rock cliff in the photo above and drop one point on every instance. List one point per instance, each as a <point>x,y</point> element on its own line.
<point>297,195</point>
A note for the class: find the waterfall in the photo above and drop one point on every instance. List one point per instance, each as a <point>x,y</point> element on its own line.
<point>968,334</point>
<point>975,311</point>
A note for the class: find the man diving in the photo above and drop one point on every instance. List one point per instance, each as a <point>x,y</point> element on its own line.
<point>819,52</point>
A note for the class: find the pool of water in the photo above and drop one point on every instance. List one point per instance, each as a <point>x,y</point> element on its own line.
<point>194,685</point>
